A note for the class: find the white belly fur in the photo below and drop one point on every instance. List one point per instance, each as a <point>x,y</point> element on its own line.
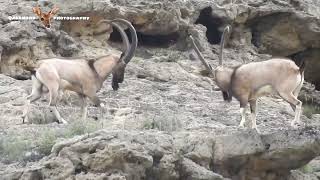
<point>264,90</point>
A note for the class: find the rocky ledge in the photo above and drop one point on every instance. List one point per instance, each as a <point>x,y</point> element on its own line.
<point>195,155</point>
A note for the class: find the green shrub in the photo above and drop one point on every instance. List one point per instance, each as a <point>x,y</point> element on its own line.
<point>46,141</point>
<point>306,169</point>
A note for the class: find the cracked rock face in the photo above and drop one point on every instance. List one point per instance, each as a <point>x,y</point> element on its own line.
<point>167,120</point>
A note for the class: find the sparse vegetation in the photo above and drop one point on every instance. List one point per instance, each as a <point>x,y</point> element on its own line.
<point>13,148</point>
<point>19,147</point>
<point>80,128</point>
<point>148,124</point>
<point>46,141</point>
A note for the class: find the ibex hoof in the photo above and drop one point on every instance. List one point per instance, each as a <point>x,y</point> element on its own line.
<point>63,121</point>
<point>24,119</point>
<point>297,124</point>
<point>258,131</point>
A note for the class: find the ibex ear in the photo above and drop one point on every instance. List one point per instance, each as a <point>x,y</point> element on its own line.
<point>53,11</point>
<point>37,10</point>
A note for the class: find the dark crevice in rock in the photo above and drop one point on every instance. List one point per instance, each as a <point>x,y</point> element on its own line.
<point>92,151</point>
<point>80,168</point>
<point>156,159</point>
<point>212,24</point>
<point>148,40</point>
<point>21,77</point>
<point>154,171</point>
<point>311,57</point>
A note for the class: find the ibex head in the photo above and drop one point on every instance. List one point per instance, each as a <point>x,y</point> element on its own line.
<point>220,74</point>
<point>119,70</point>
<point>45,18</point>
<point>118,75</point>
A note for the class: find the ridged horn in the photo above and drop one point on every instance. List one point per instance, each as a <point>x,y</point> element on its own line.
<point>134,40</point>
<point>226,32</point>
<point>124,38</point>
<point>204,62</point>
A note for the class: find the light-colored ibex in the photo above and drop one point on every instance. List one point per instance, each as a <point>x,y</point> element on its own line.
<point>250,81</point>
<point>85,77</point>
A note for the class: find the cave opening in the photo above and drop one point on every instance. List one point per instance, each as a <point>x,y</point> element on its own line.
<point>162,41</point>
<point>212,24</point>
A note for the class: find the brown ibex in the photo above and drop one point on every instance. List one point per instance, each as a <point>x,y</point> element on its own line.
<point>85,77</point>
<point>250,81</point>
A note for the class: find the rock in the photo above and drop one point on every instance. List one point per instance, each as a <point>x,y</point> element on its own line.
<point>38,115</point>
<point>316,116</point>
<point>168,119</point>
<point>309,171</point>
<point>151,154</point>
<point>191,170</point>
<point>67,45</point>
<point>309,94</point>
<point>296,175</point>
<point>100,176</point>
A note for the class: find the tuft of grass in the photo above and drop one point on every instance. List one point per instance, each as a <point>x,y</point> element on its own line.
<point>309,110</point>
<point>148,124</point>
<point>46,141</point>
<point>306,169</point>
<point>80,128</point>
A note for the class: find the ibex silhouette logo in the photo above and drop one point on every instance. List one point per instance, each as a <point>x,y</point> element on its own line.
<point>45,18</point>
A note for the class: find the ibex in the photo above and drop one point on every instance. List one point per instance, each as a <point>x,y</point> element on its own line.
<point>85,77</point>
<point>250,81</point>
<point>45,18</point>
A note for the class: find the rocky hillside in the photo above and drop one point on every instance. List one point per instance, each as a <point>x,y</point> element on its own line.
<point>168,119</point>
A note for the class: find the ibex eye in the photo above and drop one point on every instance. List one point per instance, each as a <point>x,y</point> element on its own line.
<point>41,19</point>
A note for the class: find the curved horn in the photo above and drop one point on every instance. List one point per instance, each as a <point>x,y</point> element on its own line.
<point>134,40</point>
<point>123,35</point>
<point>226,31</point>
<point>204,62</point>
<point>124,38</point>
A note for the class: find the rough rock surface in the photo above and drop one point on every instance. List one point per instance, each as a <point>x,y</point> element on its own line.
<point>179,155</point>
<point>167,120</point>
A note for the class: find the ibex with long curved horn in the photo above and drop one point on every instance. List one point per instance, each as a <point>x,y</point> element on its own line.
<point>82,76</point>
<point>250,81</point>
